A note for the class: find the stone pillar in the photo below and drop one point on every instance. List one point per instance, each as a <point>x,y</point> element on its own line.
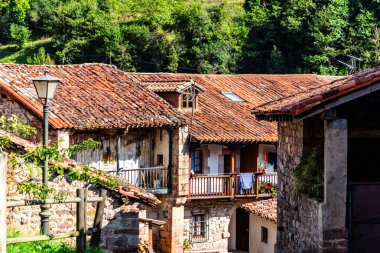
<point>332,219</point>
<point>178,215</point>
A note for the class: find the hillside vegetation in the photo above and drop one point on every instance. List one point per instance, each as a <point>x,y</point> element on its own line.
<point>235,36</point>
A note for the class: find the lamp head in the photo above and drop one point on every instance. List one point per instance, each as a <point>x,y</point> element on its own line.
<point>45,85</point>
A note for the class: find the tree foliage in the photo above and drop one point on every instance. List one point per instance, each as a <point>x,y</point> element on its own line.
<point>251,36</point>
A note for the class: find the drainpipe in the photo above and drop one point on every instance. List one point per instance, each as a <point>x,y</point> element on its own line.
<point>170,165</point>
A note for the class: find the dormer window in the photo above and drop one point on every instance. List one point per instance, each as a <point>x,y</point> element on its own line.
<point>232,96</point>
<point>188,99</point>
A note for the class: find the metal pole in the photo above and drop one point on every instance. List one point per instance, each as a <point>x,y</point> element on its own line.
<point>45,214</point>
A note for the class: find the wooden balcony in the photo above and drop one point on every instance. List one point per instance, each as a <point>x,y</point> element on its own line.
<point>154,180</point>
<point>227,186</point>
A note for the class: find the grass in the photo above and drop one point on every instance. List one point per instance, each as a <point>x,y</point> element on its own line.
<point>54,246</point>
<point>11,53</point>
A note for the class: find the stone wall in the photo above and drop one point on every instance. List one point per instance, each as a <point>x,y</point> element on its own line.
<point>219,214</point>
<point>9,107</point>
<point>121,231</point>
<point>298,215</point>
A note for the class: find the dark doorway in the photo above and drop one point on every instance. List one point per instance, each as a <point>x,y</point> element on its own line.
<point>227,164</point>
<point>242,230</point>
<point>248,158</point>
<point>364,217</point>
<point>363,195</point>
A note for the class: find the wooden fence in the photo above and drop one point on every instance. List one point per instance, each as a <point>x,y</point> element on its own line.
<point>81,200</point>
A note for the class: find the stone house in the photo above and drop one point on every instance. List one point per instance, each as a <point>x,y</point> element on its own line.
<point>99,101</point>
<point>122,229</point>
<point>262,225</point>
<point>137,129</point>
<point>341,120</point>
<point>221,141</point>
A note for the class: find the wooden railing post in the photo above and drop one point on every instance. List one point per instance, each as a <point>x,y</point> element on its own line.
<point>95,238</point>
<point>232,184</point>
<point>81,239</point>
<point>257,185</point>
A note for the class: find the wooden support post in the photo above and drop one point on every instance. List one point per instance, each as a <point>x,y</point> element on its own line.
<point>3,207</point>
<point>232,178</point>
<point>81,239</point>
<point>95,238</point>
<point>150,238</point>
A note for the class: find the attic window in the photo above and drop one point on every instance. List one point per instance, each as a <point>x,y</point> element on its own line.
<point>188,99</point>
<point>232,96</point>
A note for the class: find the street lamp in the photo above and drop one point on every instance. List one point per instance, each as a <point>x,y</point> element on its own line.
<point>45,87</point>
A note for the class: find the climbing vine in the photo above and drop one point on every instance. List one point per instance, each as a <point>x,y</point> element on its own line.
<point>31,161</point>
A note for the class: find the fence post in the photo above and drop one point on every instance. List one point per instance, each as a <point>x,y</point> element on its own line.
<point>95,238</point>
<point>85,210</point>
<point>3,208</point>
<point>81,239</point>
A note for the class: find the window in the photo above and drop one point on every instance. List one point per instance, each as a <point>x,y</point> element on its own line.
<point>160,160</point>
<point>199,227</point>
<point>232,96</point>
<point>188,99</point>
<point>264,234</point>
<point>196,161</point>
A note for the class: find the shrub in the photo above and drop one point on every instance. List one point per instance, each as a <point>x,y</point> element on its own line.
<point>20,34</point>
<point>309,175</point>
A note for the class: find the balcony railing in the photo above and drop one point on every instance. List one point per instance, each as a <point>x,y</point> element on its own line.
<point>153,179</point>
<point>226,186</point>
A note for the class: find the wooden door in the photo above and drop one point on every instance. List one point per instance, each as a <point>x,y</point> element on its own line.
<point>242,230</point>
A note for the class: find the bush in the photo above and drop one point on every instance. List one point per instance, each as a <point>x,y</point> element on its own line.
<point>309,175</point>
<point>20,34</point>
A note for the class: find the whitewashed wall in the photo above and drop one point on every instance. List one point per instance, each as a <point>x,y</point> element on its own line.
<point>138,149</point>
<point>255,243</point>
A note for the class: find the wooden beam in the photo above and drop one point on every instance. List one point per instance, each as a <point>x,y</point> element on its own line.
<point>154,222</point>
<point>340,100</point>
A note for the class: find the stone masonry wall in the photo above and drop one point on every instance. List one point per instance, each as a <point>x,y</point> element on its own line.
<point>297,215</point>
<point>121,232</point>
<point>219,215</point>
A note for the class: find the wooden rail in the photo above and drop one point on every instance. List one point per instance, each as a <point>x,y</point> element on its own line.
<point>147,178</point>
<point>226,186</point>
<point>81,231</point>
<point>270,177</point>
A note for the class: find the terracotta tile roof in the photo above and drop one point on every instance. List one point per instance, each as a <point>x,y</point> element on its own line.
<point>125,189</point>
<point>90,96</point>
<point>171,85</point>
<point>300,103</point>
<point>219,119</point>
<point>266,209</point>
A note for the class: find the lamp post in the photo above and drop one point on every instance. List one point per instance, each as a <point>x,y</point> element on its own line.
<point>45,87</point>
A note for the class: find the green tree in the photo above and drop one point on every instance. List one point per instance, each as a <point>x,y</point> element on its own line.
<point>20,34</point>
